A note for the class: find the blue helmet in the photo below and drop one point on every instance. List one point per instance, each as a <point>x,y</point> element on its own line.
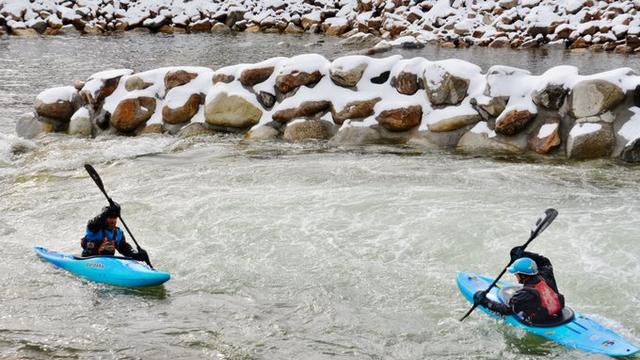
<point>524,266</point>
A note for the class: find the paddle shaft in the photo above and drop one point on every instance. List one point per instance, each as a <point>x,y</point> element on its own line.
<point>550,215</point>
<point>96,178</point>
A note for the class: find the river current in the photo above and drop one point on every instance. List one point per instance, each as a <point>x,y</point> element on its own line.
<point>293,251</point>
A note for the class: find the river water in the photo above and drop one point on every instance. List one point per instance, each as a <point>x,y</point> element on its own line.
<point>293,251</point>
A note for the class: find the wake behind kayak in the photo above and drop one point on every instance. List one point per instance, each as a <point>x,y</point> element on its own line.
<point>577,331</point>
<point>111,270</point>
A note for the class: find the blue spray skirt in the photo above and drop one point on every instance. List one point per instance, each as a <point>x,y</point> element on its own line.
<point>578,332</point>
<point>111,270</point>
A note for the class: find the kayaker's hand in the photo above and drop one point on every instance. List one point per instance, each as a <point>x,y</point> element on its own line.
<point>480,297</point>
<point>516,253</point>
<point>142,255</point>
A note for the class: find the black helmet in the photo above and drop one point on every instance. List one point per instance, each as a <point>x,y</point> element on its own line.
<point>112,210</point>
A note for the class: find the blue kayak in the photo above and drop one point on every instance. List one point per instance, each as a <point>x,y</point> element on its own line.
<point>111,270</point>
<point>574,330</point>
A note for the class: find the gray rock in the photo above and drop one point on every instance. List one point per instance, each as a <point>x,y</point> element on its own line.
<point>309,130</point>
<point>593,97</point>
<point>80,123</point>
<point>588,140</point>
<point>551,97</point>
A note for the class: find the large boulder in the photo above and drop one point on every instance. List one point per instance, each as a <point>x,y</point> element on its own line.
<point>287,82</point>
<point>354,110</point>
<point>406,83</point>
<point>57,103</point>
<point>588,140</point>
<point>346,74</point>
<point>400,119</point>
<point>80,123</point>
<point>481,139</point>
<point>443,87</point>
<point>305,109</point>
<point>546,136</point>
<point>551,96</point>
<point>513,121</point>
<point>489,107</point>
<point>631,152</point>
<point>133,112</point>
<point>356,135</point>
<point>181,113</point>
<point>262,132</point>
<point>593,97</point>
<point>234,111</point>
<point>29,127</point>
<point>177,78</point>
<point>195,129</point>
<point>308,130</point>
<point>251,77</point>
<point>454,122</point>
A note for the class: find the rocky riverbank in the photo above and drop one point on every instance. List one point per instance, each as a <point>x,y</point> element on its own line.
<point>599,25</point>
<point>360,100</point>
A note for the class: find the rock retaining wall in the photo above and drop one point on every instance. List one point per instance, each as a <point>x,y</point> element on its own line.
<point>600,25</point>
<point>361,100</point>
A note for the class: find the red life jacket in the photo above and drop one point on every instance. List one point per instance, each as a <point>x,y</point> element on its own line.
<point>549,299</point>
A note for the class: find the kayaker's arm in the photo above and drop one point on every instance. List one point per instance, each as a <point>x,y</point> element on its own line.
<point>499,308</point>
<point>126,250</point>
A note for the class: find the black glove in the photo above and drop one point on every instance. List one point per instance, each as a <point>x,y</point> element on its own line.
<point>142,255</point>
<point>516,253</point>
<point>480,297</point>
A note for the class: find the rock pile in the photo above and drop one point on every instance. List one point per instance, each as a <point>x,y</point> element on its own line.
<point>360,100</point>
<point>601,25</point>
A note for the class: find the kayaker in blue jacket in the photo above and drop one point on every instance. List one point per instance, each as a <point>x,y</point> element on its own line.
<point>538,301</point>
<point>103,237</point>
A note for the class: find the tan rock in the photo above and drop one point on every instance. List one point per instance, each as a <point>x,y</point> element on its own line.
<point>354,110</point>
<point>512,122</point>
<point>590,141</point>
<point>263,132</point>
<point>293,29</point>
<point>200,26</point>
<point>136,83</point>
<point>593,97</point>
<point>251,77</point>
<point>151,129</point>
<point>133,112</point>
<point>231,111</point>
<point>288,82</point>
<point>308,130</point>
<point>25,32</point>
<point>454,123</point>
<point>401,119</point>
<point>177,78</point>
<point>220,27</point>
<point>306,109</point>
<point>195,129</point>
<point>224,78</point>
<point>347,77</point>
<point>442,87</point>
<point>182,113</point>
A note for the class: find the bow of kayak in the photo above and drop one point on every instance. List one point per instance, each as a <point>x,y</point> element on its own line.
<point>578,332</point>
<point>106,269</point>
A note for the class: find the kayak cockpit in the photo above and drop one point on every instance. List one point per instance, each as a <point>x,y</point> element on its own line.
<point>567,314</point>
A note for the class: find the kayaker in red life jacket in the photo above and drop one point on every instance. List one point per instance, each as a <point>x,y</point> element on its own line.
<point>103,237</point>
<point>538,301</point>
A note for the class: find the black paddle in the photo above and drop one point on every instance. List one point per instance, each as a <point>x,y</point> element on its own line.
<point>541,224</point>
<point>96,178</point>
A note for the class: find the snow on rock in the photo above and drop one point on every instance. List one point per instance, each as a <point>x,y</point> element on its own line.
<point>389,99</point>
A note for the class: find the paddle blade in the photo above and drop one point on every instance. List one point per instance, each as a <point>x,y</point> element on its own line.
<point>543,222</point>
<point>94,175</point>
